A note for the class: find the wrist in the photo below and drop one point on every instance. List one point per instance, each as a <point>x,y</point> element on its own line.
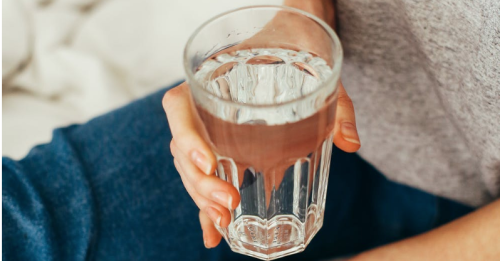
<point>321,8</point>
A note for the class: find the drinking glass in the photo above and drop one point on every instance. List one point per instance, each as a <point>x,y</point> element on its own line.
<point>264,81</point>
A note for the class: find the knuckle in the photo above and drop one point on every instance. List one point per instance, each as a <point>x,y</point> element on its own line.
<point>199,203</point>
<point>346,102</point>
<point>200,216</point>
<point>200,183</point>
<point>172,95</point>
<point>173,148</point>
<point>195,196</point>
<point>188,140</point>
<point>179,169</point>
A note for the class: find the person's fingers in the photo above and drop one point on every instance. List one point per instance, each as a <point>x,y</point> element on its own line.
<point>211,237</point>
<point>186,127</point>
<point>216,211</point>
<point>210,187</point>
<point>345,134</point>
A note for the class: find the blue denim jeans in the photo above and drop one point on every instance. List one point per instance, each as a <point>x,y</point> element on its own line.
<point>108,190</point>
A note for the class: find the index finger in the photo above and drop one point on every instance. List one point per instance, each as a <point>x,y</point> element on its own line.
<point>187,128</point>
<point>346,135</point>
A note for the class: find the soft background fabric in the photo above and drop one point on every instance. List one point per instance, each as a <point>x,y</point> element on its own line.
<point>425,80</point>
<point>68,61</point>
<point>424,77</point>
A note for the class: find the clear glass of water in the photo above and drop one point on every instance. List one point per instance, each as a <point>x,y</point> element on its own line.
<point>264,81</point>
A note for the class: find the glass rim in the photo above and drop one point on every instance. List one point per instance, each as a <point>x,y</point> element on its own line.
<point>337,54</point>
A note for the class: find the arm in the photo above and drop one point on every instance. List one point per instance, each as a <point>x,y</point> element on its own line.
<point>472,237</point>
<point>321,8</point>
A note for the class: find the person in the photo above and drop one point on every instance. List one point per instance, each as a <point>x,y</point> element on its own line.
<point>424,79</point>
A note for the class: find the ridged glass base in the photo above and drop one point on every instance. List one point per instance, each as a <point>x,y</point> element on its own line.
<point>267,240</point>
<point>281,210</point>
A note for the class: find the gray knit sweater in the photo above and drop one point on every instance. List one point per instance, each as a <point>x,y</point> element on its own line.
<point>425,80</point>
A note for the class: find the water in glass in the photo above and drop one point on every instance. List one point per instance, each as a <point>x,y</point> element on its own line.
<point>277,158</point>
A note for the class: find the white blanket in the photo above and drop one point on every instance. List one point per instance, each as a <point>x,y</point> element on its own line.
<point>66,61</point>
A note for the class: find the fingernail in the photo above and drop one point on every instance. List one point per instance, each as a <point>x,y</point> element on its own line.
<point>205,241</point>
<point>201,161</point>
<point>223,198</point>
<point>349,132</point>
<point>214,215</point>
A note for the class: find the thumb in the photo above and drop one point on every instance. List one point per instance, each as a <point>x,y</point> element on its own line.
<point>345,133</point>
